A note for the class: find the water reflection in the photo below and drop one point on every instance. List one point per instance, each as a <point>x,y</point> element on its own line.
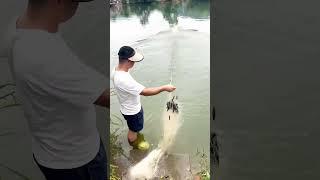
<point>171,10</point>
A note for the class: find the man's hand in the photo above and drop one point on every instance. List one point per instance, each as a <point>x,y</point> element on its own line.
<point>168,88</point>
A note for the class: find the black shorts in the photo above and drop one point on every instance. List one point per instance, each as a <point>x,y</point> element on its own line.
<point>135,122</point>
<point>96,169</point>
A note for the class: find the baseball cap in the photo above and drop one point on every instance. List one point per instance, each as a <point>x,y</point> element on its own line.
<point>127,52</point>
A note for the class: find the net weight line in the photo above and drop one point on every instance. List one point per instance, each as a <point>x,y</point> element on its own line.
<point>171,104</point>
<point>173,56</point>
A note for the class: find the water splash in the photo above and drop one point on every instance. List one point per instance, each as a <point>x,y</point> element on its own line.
<point>148,167</point>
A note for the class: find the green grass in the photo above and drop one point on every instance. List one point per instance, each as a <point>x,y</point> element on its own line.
<point>203,161</point>
<point>116,149</point>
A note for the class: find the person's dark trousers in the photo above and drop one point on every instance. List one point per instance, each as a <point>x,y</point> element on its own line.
<point>96,169</point>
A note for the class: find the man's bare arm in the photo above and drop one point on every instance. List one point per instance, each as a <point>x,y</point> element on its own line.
<point>104,99</point>
<point>156,90</point>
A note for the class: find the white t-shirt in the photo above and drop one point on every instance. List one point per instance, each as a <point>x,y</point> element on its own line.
<point>128,92</point>
<point>57,93</point>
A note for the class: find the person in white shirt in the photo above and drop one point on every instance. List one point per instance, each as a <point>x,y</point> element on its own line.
<point>58,93</point>
<point>128,92</point>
